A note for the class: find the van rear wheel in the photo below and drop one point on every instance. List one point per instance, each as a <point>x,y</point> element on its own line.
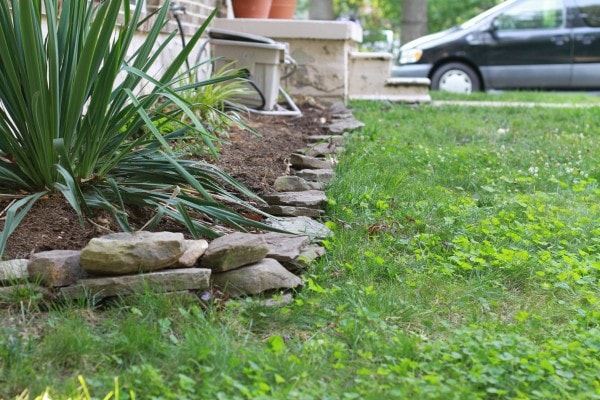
<point>455,78</point>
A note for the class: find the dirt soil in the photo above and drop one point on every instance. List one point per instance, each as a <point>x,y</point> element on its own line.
<point>254,161</point>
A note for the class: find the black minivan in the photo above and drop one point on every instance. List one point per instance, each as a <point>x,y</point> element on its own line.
<point>519,44</point>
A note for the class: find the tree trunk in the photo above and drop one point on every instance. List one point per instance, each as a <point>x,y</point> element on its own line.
<point>321,9</point>
<point>414,20</point>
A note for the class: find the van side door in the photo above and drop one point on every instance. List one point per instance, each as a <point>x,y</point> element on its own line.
<point>586,34</point>
<point>531,46</point>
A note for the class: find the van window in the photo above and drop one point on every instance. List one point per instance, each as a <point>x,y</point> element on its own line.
<point>532,14</point>
<point>590,12</point>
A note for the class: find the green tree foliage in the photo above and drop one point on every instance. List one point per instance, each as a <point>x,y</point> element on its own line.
<point>444,14</point>
<point>387,14</point>
<point>380,14</point>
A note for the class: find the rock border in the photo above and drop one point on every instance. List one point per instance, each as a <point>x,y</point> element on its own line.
<point>238,264</point>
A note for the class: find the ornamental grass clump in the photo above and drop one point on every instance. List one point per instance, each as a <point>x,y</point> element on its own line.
<point>74,119</point>
<point>216,105</point>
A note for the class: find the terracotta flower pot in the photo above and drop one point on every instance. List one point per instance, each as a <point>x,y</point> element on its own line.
<point>251,8</point>
<point>283,9</point>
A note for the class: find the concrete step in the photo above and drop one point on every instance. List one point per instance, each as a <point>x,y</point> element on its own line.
<point>369,79</point>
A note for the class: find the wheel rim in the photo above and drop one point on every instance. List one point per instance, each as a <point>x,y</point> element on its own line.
<point>456,81</point>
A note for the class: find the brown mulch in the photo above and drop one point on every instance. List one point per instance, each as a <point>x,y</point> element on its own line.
<point>254,161</point>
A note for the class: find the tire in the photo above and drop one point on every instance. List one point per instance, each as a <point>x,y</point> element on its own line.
<point>455,78</point>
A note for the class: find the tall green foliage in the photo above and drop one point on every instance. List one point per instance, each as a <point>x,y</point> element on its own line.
<point>72,112</point>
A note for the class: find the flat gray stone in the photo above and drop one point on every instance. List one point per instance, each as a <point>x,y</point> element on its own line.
<point>56,268</point>
<point>316,175</point>
<point>345,125</point>
<point>194,249</point>
<point>172,280</point>
<point>234,251</point>
<point>285,247</point>
<point>322,149</point>
<point>299,161</point>
<point>307,256</point>
<point>312,252</point>
<point>292,183</point>
<point>309,198</point>
<point>269,274</point>
<point>128,253</point>
<point>300,226</point>
<point>13,270</point>
<point>338,140</point>
<point>290,211</point>
<point>347,115</point>
<point>339,108</point>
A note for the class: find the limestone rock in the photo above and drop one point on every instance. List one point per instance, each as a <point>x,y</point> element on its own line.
<point>299,161</point>
<point>290,211</point>
<point>233,251</point>
<point>338,140</point>
<point>127,253</point>
<point>172,280</point>
<point>345,125</point>
<point>301,226</point>
<point>339,108</point>
<point>13,270</point>
<point>312,252</point>
<point>194,249</point>
<point>316,175</point>
<point>308,255</point>
<point>347,115</point>
<point>56,268</point>
<point>292,183</point>
<point>309,198</point>
<point>322,149</point>
<point>266,275</point>
<point>285,247</point>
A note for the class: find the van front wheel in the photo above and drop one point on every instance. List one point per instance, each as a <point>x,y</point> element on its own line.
<point>455,78</point>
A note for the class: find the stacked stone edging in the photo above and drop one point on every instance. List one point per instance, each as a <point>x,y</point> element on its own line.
<point>238,264</point>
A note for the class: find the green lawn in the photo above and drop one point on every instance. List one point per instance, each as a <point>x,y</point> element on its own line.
<point>465,264</point>
<point>531,96</point>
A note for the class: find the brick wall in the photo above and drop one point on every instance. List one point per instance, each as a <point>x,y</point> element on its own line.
<point>195,14</point>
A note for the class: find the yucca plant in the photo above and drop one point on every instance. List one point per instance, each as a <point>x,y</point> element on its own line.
<point>72,113</point>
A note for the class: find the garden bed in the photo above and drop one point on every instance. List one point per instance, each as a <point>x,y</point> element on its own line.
<point>254,161</point>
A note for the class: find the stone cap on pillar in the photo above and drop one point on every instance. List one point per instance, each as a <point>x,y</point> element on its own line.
<point>293,29</point>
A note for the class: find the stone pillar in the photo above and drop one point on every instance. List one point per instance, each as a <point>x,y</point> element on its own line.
<point>321,50</point>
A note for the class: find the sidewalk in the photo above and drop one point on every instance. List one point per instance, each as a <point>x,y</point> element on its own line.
<point>440,103</point>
